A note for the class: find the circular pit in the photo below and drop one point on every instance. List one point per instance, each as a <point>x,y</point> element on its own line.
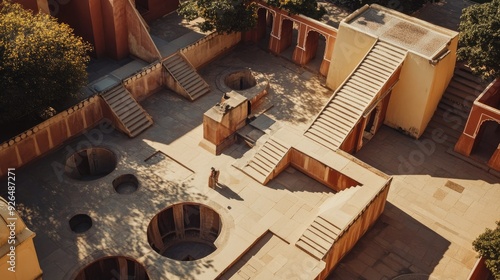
<point>90,164</point>
<point>80,223</point>
<point>188,235</point>
<point>125,184</point>
<point>113,268</point>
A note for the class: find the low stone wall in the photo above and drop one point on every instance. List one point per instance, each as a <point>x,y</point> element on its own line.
<point>146,82</point>
<point>358,227</point>
<point>209,47</point>
<point>50,134</point>
<point>480,271</point>
<point>321,172</point>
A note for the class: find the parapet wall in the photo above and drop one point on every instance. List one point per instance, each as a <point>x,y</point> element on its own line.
<point>146,82</point>
<point>209,47</point>
<point>50,134</point>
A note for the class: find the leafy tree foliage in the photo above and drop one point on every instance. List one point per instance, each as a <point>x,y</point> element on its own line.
<point>479,41</point>
<point>222,15</point>
<point>41,61</point>
<point>229,16</point>
<point>404,6</point>
<point>308,8</point>
<point>488,246</point>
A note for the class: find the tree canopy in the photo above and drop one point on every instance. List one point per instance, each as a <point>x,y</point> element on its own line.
<point>41,61</point>
<point>488,246</point>
<point>479,41</point>
<point>229,16</point>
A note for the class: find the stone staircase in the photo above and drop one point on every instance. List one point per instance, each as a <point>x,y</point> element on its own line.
<point>132,118</point>
<point>191,84</point>
<point>345,108</point>
<point>319,237</point>
<point>263,163</point>
<point>455,105</point>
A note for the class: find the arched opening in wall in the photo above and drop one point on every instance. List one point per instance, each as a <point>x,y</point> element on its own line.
<point>264,27</point>
<point>90,164</point>
<point>185,231</point>
<point>315,50</point>
<point>113,268</point>
<point>288,38</point>
<point>487,141</point>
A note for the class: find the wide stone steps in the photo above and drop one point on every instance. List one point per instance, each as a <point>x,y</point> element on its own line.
<point>132,117</point>
<point>186,76</point>
<point>454,107</point>
<point>263,163</point>
<point>318,238</point>
<point>337,119</point>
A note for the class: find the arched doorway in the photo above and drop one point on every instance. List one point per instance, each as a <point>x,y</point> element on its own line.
<point>314,50</point>
<point>487,140</point>
<point>288,38</point>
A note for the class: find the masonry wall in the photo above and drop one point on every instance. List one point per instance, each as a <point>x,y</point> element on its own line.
<point>320,171</point>
<point>351,46</point>
<point>140,43</point>
<point>50,134</point>
<point>146,82</point>
<point>355,231</point>
<point>210,47</point>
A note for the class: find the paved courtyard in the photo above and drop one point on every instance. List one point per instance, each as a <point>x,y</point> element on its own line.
<point>437,203</point>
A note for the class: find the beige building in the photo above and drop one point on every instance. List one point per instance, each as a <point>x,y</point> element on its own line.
<point>18,259</point>
<point>424,73</point>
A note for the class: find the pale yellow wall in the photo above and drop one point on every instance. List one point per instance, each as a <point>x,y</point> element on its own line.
<point>443,73</point>
<point>408,101</point>
<point>27,266</point>
<point>420,88</point>
<point>351,46</point>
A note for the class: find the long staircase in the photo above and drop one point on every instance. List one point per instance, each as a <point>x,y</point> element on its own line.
<point>264,162</point>
<point>190,82</point>
<point>455,105</point>
<point>132,118</point>
<point>354,96</point>
<point>319,237</point>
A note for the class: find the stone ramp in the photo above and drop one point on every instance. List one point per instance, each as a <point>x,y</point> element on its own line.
<point>455,105</point>
<point>130,115</point>
<point>319,237</point>
<point>191,84</point>
<point>263,164</point>
<point>337,119</point>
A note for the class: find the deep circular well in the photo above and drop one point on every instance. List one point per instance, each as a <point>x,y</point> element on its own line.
<point>240,80</point>
<point>90,164</point>
<point>125,184</point>
<point>113,268</point>
<point>185,231</point>
<point>80,223</point>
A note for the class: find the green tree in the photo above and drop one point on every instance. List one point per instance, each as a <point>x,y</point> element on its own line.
<point>41,61</point>
<point>229,16</point>
<point>488,246</point>
<point>479,41</point>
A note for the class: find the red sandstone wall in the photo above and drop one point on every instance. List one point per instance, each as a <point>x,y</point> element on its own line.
<point>321,172</point>
<point>140,43</point>
<point>50,134</point>
<point>146,82</point>
<point>479,271</point>
<point>159,8</point>
<point>210,47</point>
<point>355,231</point>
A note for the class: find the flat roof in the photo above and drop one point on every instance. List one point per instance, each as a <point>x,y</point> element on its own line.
<point>401,30</point>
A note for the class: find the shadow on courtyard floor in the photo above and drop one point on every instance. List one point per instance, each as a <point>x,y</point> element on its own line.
<point>396,245</point>
<point>396,154</point>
